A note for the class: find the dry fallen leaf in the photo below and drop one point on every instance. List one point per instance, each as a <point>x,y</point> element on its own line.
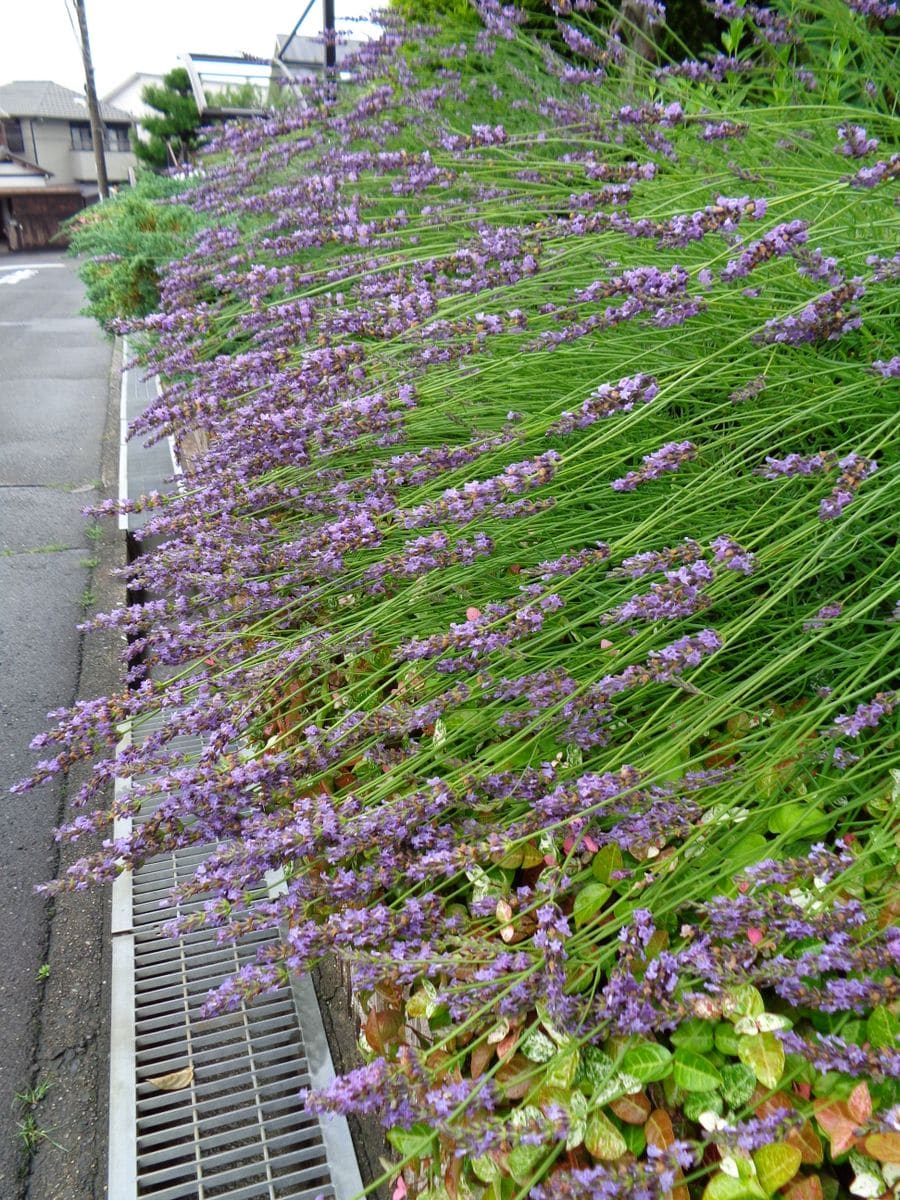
<point>173,1082</point>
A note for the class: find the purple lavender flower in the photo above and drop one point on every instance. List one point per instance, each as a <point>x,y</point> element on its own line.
<point>827,317</point>
<point>732,556</point>
<point>749,390</point>
<point>876,10</point>
<point>854,142</point>
<point>715,68</point>
<point>460,505</point>
<point>681,595</point>
<point>669,457</point>
<point>828,612</point>
<point>813,264</point>
<point>854,471</point>
<point>865,716</point>
<point>797,464</point>
<point>869,177</point>
<point>500,18</point>
<point>828,1052</point>
<point>771,27</point>
<point>650,561</point>
<point>606,401</point>
<point>716,131</point>
<point>889,368</point>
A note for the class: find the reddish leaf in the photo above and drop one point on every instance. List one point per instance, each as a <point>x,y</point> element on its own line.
<point>808,1142</point>
<point>860,1103</point>
<point>515,1077</point>
<point>807,1188</point>
<point>382,1027</point>
<point>680,1192</point>
<point>839,1124</point>
<point>658,1129</point>
<point>507,1044</point>
<point>481,1056</point>
<point>767,1105</point>
<point>883,1146</point>
<point>633,1110</point>
<point>451,1175</point>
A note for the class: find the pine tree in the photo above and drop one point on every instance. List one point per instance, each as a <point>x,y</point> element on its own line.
<point>172,136</point>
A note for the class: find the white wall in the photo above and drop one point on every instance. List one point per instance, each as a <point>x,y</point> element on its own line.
<point>53,142</point>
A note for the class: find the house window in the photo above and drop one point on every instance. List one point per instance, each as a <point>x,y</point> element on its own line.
<point>81,135</point>
<point>117,137</point>
<point>12,135</point>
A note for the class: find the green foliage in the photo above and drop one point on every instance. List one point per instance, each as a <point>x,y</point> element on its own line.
<point>763,712</point>
<point>127,241</point>
<point>428,11</point>
<point>172,136</point>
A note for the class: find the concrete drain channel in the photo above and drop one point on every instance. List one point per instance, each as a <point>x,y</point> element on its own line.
<point>235,1127</point>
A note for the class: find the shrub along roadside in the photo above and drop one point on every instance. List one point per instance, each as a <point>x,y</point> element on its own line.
<point>128,241</point>
<point>536,598</point>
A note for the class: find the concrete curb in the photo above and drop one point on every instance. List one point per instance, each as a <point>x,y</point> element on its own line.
<point>72,1052</point>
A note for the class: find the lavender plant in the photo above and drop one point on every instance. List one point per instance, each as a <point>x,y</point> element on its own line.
<point>535,597</point>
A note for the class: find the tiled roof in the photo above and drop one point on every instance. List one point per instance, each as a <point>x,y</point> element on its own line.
<point>41,98</point>
<point>30,168</point>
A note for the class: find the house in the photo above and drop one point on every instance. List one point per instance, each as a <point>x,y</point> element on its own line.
<point>305,56</point>
<point>47,167</point>
<point>128,96</point>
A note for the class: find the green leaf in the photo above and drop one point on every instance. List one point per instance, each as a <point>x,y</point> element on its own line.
<point>725,1187</point>
<point>594,1067</point>
<point>868,1181</point>
<point>775,1165</point>
<point>562,1068</point>
<point>635,1138</point>
<point>726,1039</point>
<point>696,1103</point>
<point>880,1030</point>
<point>763,1053</point>
<point>694,1073</point>
<point>695,1034</point>
<point>522,1161</point>
<point>648,1062</point>
<point>605,861</point>
<point>418,1142</point>
<point>588,902</point>
<point>602,1139</point>
<point>800,819</point>
<point>485,1168</point>
<point>423,1002</point>
<point>749,849</point>
<point>743,1001</point>
<point>738,1082</point>
<point>537,1046</point>
<point>577,1107</point>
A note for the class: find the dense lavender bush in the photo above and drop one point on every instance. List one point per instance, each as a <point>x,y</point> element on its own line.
<point>536,597</point>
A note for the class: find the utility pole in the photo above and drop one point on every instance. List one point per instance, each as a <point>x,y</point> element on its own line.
<point>93,106</point>
<point>330,47</point>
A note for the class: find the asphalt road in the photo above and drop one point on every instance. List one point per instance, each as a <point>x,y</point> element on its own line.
<point>54,378</point>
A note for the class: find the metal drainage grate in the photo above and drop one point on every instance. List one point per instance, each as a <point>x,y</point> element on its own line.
<point>237,1130</point>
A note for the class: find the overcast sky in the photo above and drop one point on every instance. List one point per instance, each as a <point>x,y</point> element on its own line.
<point>37,40</point>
